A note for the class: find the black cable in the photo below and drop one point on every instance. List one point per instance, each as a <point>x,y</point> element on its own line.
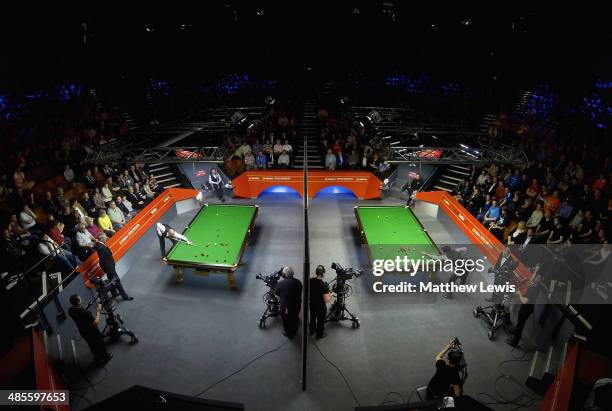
<point>522,400</point>
<point>339,372</point>
<point>241,369</point>
<point>387,402</point>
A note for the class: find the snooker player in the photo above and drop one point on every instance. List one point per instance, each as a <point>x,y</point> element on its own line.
<point>165,231</point>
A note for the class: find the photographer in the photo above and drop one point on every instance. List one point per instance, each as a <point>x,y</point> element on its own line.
<point>289,292</point>
<point>319,296</point>
<point>446,382</point>
<point>88,328</point>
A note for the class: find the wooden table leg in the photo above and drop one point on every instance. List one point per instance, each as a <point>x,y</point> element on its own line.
<point>178,272</point>
<point>231,279</point>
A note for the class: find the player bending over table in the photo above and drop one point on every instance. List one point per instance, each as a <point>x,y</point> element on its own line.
<point>165,231</point>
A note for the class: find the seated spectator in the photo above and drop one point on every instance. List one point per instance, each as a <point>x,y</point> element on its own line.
<point>288,148</point>
<point>68,174</point>
<point>515,180</point>
<point>88,204</point>
<point>249,161</point>
<point>519,234</point>
<point>524,211</point>
<point>330,160</point>
<point>341,160</point>
<point>20,181</point>
<point>147,191</point>
<point>126,180</point>
<point>60,199</point>
<point>79,212</point>
<point>135,199</point>
<point>105,223</point>
<point>155,185</point>
<point>116,216</point>
<point>257,147</point>
<point>48,205</point>
<point>126,208</point>
<point>575,222</point>
<point>353,160</point>
<point>536,217</point>
<point>85,241</point>
<point>277,150</point>
<point>546,225</point>
<point>559,233</point>
<point>586,229</point>
<point>139,190</point>
<point>552,203</point>
<point>566,209</point>
<point>98,199</point>
<point>374,163</point>
<point>67,217</point>
<point>485,208</point>
<point>498,227</point>
<point>56,234</point>
<point>261,160</point>
<point>67,261</point>
<point>268,149</point>
<point>27,219</point>
<point>107,194</point>
<point>492,214</point>
<point>135,175</point>
<point>93,229</point>
<point>284,160</point>
<point>483,179</point>
<point>500,191</point>
<point>114,186</point>
<point>89,180</point>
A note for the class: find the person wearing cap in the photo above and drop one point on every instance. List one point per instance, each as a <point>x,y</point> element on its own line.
<point>289,291</point>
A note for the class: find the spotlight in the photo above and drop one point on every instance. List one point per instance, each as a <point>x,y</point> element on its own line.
<point>238,118</point>
<point>260,12</point>
<point>149,28</point>
<point>466,22</point>
<point>435,26</point>
<point>344,100</point>
<point>374,117</point>
<point>270,100</point>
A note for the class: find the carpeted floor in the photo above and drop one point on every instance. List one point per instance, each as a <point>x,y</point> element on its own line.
<point>194,334</point>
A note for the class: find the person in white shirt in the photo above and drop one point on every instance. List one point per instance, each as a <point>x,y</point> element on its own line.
<point>165,231</point>
<point>483,178</point>
<point>277,150</point>
<point>116,216</point>
<point>85,240</point>
<point>27,218</point>
<point>284,160</point>
<point>68,261</point>
<point>536,216</point>
<point>287,147</point>
<point>68,174</point>
<point>216,182</point>
<point>330,160</point>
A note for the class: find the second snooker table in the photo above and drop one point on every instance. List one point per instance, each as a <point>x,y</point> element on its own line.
<point>220,233</point>
<point>391,231</point>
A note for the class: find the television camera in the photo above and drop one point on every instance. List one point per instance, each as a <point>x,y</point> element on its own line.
<point>341,291</point>
<point>270,298</point>
<point>114,322</point>
<point>455,355</point>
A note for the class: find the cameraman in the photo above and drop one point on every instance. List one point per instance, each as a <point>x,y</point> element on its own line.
<point>319,296</point>
<point>88,328</point>
<point>289,292</point>
<point>503,271</point>
<point>446,382</point>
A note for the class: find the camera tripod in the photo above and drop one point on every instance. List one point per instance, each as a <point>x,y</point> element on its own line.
<point>272,308</point>
<point>114,328</point>
<point>338,311</point>
<point>493,316</point>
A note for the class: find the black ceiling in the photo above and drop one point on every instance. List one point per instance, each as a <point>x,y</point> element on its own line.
<point>534,44</point>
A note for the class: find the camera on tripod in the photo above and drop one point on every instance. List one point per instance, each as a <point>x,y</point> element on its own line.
<point>271,280</point>
<point>455,356</point>
<point>270,298</point>
<point>114,323</point>
<point>345,274</point>
<point>342,291</point>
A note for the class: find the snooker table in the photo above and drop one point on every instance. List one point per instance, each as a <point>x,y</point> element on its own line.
<point>220,233</point>
<point>391,231</point>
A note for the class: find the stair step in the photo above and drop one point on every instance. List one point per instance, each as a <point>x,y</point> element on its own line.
<point>171,185</point>
<point>165,180</point>
<point>159,168</point>
<point>446,176</point>
<point>451,183</point>
<point>442,188</point>
<point>158,176</point>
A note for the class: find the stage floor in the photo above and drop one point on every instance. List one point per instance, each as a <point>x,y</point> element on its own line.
<point>195,333</point>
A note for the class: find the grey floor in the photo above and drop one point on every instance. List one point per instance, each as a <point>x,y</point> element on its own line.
<point>194,334</point>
